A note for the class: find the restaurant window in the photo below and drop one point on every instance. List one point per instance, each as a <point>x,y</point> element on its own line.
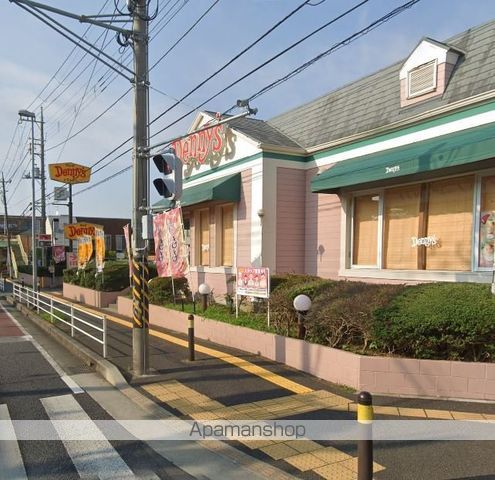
<point>487,222</point>
<point>401,222</point>
<point>227,235</point>
<point>450,220</point>
<point>365,240</point>
<point>427,226</point>
<point>204,238</point>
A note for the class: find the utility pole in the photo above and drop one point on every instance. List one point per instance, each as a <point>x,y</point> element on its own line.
<point>140,330</point>
<point>6,228</point>
<point>42,161</point>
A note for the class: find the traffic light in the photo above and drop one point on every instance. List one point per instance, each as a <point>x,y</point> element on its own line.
<point>169,185</point>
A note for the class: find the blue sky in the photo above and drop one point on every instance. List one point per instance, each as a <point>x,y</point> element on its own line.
<point>31,53</point>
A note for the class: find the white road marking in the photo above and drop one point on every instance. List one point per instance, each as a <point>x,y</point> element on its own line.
<point>60,371</point>
<point>12,465</point>
<point>23,338</point>
<point>94,459</point>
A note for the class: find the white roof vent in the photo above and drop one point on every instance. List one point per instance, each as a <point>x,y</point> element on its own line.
<point>422,79</point>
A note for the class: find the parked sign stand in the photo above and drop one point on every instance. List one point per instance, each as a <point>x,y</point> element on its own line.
<point>252,282</point>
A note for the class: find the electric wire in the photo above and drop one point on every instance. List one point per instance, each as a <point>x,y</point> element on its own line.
<point>344,42</point>
<point>112,79</point>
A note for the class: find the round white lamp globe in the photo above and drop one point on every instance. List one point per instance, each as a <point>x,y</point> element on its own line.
<point>302,303</point>
<point>204,289</point>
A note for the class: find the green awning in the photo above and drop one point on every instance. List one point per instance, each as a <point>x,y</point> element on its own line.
<point>446,151</point>
<point>226,189</point>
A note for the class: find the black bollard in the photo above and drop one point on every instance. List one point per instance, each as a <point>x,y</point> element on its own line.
<point>190,337</point>
<point>365,446</point>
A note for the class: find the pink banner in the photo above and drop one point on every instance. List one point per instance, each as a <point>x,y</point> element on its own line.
<point>161,252</point>
<point>178,259</point>
<point>58,253</point>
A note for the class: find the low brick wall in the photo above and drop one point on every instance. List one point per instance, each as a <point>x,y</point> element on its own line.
<point>379,375</point>
<point>45,282</point>
<point>89,296</point>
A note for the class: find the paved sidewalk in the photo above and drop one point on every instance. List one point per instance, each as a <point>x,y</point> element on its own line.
<point>227,384</point>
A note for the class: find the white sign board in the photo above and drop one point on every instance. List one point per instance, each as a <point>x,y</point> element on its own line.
<point>253,282</point>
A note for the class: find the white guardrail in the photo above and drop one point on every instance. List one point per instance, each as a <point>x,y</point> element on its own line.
<point>66,313</point>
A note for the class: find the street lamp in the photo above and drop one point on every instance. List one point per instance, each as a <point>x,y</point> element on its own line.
<point>204,289</point>
<point>27,116</point>
<point>302,303</point>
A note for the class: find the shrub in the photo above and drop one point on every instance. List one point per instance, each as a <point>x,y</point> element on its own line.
<point>115,276</point>
<point>342,315</point>
<point>284,317</point>
<point>439,321</point>
<point>161,291</point>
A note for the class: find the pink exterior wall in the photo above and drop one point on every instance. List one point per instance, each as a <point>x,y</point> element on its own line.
<point>443,74</point>
<point>290,221</point>
<point>90,297</point>
<point>218,281</point>
<point>393,376</point>
<point>323,217</point>
<point>244,221</point>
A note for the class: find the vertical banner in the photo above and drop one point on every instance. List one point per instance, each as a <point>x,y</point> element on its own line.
<point>127,236</point>
<point>58,253</point>
<point>161,251</point>
<point>84,251</point>
<point>99,249</point>
<point>177,248</point>
<point>71,260</point>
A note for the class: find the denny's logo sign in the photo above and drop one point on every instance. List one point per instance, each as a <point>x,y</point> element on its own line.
<point>69,173</point>
<point>77,230</point>
<point>208,147</point>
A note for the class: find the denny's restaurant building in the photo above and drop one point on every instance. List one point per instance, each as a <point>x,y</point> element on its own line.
<point>388,179</point>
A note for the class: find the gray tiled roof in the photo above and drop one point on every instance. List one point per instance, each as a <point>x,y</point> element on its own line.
<point>374,101</point>
<point>261,131</point>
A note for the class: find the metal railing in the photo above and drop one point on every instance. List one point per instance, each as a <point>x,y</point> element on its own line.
<point>2,284</point>
<point>66,313</point>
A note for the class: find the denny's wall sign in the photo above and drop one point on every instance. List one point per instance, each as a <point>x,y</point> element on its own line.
<point>77,230</point>
<point>69,173</point>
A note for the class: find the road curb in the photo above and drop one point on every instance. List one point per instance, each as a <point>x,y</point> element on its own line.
<point>105,368</point>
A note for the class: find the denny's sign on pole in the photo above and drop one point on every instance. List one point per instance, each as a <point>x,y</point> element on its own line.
<point>77,230</point>
<point>69,173</point>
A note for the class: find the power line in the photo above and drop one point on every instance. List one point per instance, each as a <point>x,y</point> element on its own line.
<point>335,47</point>
<point>115,76</point>
<point>344,42</point>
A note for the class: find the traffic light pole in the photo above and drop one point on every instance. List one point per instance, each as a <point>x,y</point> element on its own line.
<point>140,324</point>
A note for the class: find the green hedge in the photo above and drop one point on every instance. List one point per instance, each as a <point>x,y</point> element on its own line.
<point>450,321</point>
<point>115,276</point>
<point>161,292</point>
<point>439,321</point>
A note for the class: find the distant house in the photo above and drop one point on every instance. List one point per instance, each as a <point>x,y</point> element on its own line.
<point>390,178</point>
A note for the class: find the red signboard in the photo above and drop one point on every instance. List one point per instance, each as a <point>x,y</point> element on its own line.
<point>207,147</point>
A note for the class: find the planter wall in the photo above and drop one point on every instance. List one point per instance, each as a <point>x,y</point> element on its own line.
<point>45,282</point>
<point>89,296</point>
<point>384,375</point>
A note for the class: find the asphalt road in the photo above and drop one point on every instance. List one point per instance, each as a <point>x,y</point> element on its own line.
<point>452,460</point>
<point>34,386</point>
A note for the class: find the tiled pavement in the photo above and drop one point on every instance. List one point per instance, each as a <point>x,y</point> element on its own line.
<point>304,455</point>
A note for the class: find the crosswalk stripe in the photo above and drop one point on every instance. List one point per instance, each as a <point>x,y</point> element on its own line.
<point>96,458</point>
<point>12,466</point>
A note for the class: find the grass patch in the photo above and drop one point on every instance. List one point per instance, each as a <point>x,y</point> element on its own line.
<point>222,314</point>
